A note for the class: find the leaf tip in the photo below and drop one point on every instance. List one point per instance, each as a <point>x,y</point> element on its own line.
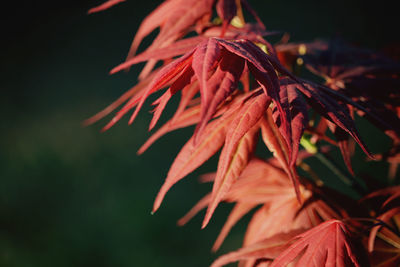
<point>156,206</point>
<point>205,222</point>
<point>207,218</point>
<point>113,71</point>
<point>180,223</point>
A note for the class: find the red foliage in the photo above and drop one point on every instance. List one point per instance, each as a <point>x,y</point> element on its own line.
<point>235,85</point>
<point>328,244</point>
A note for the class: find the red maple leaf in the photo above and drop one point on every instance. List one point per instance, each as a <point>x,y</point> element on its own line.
<point>263,251</point>
<point>252,32</point>
<point>266,184</point>
<point>176,18</point>
<point>217,66</point>
<point>234,86</point>
<point>328,244</point>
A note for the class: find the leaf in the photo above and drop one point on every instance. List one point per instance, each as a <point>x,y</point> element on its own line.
<point>264,72</point>
<point>209,58</point>
<point>206,55</point>
<point>235,215</point>
<point>266,184</point>
<point>219,87</point>
<point>224,61</point>
<point>385,217</point>
<point>253,171</point>
<point>266,249</point>
<point>104,6</point>
<point>276,144</point>
<point>201,204</point>
<point>185,15</point>
<point>393,194</point>
<point>162,78</point>
<point>174,17</point>
<point>231,170</point>
<point>192,156</point>
<point>251,189</point>
<point>179,84</point>
<point>296,114</point>
<point>161,103</point>
<point>180,47</point>
<point>182,118</point>
<point>280,213</point>
<point>153,21</point>
<point>369,78</point>
<point>177,48</point>
<point>128,94</point>
<point>226,10</point>
<point>386,251</point>
<point>328,244</point>
<point>189,117</point>
<point>135,99</point>
<point>240,143</point>
<point>323,100</point>
<point>345,145</point>
<point>381,116</point>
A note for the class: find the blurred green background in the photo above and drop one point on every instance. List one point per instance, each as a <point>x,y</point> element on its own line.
<point>72,196</point>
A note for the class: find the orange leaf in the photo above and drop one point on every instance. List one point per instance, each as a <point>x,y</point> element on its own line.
<point>267,249</point>
<point>328,244</point>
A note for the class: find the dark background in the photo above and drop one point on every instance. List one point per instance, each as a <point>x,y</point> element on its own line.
<point>72,196</point>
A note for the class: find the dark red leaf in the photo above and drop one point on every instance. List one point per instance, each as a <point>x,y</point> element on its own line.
<point>163,77</point>
<point>392,193</point>
<point>226,10</point>
<point>297,116</point>
<point>345,145</point>
<point>219,87</point>
<point>176,49</point>
<point>327,105</point>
